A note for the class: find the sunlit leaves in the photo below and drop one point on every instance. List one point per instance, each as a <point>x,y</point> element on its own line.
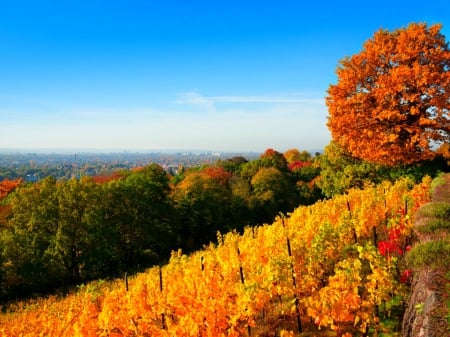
<point>7,185</point>
<point>245,282</point>
<point>390,104</point>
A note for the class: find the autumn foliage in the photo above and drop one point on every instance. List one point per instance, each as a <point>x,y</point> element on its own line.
<point>7,186</point>
<point>317,267</point>
<point>391,102</point>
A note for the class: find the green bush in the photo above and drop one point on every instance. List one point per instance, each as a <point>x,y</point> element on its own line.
<point>439,210</point>
<point>434,225</point>
<point>438,181</point>
<point>439,188</point>
<point>434,254</point>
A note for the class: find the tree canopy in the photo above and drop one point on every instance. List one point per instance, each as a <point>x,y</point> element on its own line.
<point>391,101</point>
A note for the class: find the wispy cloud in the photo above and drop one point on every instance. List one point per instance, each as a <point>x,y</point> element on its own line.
<point>194,97</point>
<point>238,122</point>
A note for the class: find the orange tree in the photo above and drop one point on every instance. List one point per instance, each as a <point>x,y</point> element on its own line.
<point>6,187</point>
<point>390,104</point>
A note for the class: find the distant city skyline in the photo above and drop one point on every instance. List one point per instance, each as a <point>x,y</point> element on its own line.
<point>142,76</point>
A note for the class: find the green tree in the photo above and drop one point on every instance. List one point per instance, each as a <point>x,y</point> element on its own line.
<point>233,164</point>
<point>138,211</point>
<point>203,208</point>
<point>272,158</point>
<point>73,241</point>
<point>293,155</point>
<point>273,192</point>
<point>26,242</point>
<point>339,171</point>
<point>241,195</point>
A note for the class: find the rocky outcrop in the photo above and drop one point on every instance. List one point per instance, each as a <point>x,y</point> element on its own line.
<point>425,313</point>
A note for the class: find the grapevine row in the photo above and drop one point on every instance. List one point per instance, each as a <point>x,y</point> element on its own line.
<point>333,264</point>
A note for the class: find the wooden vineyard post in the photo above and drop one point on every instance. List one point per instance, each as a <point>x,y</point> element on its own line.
<point>202,264</point>
<point>163,318</point>
<point>294,281</point>
<point>375,236</point>
<point>355,237</point>
<point>241,272</point>
<point>408,239</point>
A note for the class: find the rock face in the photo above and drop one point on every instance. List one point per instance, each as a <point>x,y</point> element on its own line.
<point>426,311</point>
<point>424,315</point>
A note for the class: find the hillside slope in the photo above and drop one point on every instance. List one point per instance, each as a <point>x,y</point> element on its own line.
<point>428,311</point>
<point>335,265</point>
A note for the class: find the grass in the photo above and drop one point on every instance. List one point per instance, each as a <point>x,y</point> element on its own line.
<point>433,254</point>
<point>435,225</point>
<point>439,188</point>
<point>439,210</point>
<point>438,181</point>
<point>435,220</point>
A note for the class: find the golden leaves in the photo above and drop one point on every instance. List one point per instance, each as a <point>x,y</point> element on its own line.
<point>341,278</point>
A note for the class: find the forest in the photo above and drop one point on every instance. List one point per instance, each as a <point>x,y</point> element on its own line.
<point>61,232</point>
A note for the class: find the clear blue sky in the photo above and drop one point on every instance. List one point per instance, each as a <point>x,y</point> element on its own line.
<point>161,74</point>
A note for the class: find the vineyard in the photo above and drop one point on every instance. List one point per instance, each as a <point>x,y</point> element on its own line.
<point>335,266</point>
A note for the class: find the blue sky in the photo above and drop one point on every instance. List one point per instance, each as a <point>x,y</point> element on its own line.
<point>181,75</point>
